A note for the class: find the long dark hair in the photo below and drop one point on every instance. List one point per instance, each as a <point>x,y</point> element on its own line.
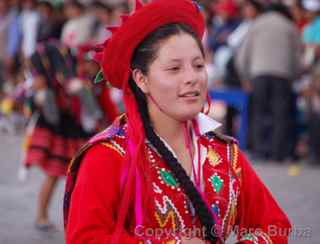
<point>143,56</point>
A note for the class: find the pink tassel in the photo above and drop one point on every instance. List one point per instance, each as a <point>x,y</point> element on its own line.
<point>138,200</point>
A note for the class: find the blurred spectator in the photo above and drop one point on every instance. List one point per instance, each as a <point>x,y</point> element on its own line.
<point>14,39</point>
<point>269,58</point>
<point>250,10</point>
<point>50,27</point>
<point>314,117</point>
<point>103,14</point>
<point>78,30</point>
<point>224,23</point>
<point>299,15</point>
<point>311,33</point>
<point>30,25</point>
<point>4,26</point>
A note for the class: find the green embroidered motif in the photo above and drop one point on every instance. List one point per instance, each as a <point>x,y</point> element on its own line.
<point>216,183</point>
<point>168,178</point>
<point>99,77</point>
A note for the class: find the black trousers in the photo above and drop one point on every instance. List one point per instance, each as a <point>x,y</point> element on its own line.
<point>314,136</point>
<point>273,109</point>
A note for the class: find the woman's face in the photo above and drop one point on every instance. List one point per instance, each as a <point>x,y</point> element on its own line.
<point>176,82</point>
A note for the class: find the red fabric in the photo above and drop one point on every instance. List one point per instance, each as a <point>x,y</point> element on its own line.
<point>95,200</point>
<point>96,196</point>
<point>257,208</point>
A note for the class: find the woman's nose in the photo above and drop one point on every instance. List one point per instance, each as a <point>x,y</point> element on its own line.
<point>191,76</point>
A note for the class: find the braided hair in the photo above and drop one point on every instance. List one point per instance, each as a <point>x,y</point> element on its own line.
<point>142,58</point>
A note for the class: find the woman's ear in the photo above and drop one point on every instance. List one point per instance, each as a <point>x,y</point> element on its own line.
<point>141,80</point>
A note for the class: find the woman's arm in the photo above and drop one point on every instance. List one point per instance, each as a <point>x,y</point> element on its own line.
<point>259,217</point>
<point>95,199</point>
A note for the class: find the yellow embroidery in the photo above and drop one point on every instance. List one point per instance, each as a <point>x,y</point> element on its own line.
<point>236,168</point>
<point>213,157</point>
<point>71,163</point>
<point>170,242</point>
<point>235,156</point>
<point>114,146</point>
<point>169,216</point>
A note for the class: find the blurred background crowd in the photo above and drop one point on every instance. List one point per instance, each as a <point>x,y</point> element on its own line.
<point>266,50</point>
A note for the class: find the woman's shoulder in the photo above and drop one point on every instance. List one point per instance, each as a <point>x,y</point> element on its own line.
<point>116,132</point>
<point>107,143</point>
<point>216,137</point>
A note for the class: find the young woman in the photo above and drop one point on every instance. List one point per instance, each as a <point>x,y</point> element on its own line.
<point>160,174</point>
<point>58,132</point>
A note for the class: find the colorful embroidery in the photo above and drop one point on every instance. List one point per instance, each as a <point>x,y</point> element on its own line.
<point>156,188</point>
<point>113,145</point>
<point>231,213</point>
<point>167,178</point>
<point>213,157</point>
<point>250,237</point>
<point>216,182</point>
<point>235,156</point>
<point>166,213</point>
<point>215,208</point>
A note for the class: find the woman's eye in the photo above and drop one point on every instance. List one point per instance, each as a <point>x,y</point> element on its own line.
<point>176,68</point>
<point>200,66</point>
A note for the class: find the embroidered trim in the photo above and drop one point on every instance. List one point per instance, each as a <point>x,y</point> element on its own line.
<point>231,211</point>
<point>167,212</point>
<point>255,237</point>
<point>250,237</point>
<point>115,146</point>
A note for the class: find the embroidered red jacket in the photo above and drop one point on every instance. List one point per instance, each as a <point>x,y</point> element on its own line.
<point>233,190</point>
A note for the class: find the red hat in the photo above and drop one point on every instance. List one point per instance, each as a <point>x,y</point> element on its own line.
<point>118,50</point>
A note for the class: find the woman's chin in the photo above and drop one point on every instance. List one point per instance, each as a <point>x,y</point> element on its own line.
<point>188,115</point>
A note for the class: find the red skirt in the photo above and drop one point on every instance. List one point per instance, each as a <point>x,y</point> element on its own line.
<point>52,148</point>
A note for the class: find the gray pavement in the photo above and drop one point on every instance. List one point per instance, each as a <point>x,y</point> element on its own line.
<point>299,196</point>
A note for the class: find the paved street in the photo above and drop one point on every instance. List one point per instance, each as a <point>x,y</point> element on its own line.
<point>298,195</point>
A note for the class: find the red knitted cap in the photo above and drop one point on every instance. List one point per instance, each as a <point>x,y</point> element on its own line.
<point>117,51</point>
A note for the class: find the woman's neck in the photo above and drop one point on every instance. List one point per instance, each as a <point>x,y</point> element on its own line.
<point>168,128</point>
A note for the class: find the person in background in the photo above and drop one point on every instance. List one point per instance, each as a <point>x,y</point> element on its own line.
<point>79,27</point>
<point>271,62</point>
<point>299,14</point>
<point>314,116</point>
<point>29,26</point>
<point>250,10</point>
<point>4,29</point>
<point>103,14</point>
<point>61,119</point>
<point>50,27</point>
<point>225,22</point>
